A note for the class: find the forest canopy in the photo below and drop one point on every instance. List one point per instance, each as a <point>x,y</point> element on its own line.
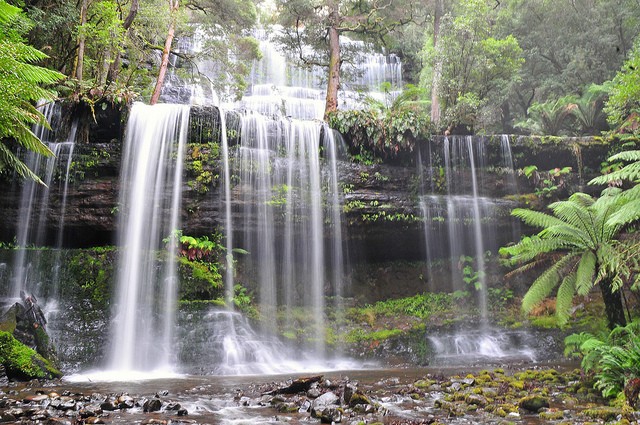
<point>523,66</point>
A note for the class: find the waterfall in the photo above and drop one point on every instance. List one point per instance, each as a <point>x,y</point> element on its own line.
<point>34,212</point>
<point>459,217</point>
<point>150,194</point>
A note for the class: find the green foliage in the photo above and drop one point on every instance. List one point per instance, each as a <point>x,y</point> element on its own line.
<point>387,134</point>
<point>566,45</point>
<point>629,173</point>
<point>21,82</point>
<point>623,106</point>
<point>477,65</point>
<point>546,183</point>
<point>471,277</point>
<point>94,271</point>
<point>21,362</point>
<point>421,306</point>
<point>551,117</point>
<point>579,241</point>
<point>614,358</point>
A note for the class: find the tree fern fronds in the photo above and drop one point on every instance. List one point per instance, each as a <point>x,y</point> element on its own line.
<point>7,12</point>
<point>632,155</point>
<point>578,215</point>
<point>526,267</point>
<point>9,161</point>
<point>545,283</point>
<point>570,234</point>
<point>630,172</point>
<point>564,298</point>
<point>629,213</point>
<point>530,247</point>
<point>585,273</point>
<point>536,218</point>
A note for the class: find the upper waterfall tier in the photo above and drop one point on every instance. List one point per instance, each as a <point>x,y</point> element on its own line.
<point>280,87</point>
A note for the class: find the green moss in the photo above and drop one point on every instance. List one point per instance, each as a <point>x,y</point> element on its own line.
<point>545,322</point>
<point>603,413</point>
<point>92,271</point>
<point>552,415</point>
<point>21,362</point>
<point>360,335</point>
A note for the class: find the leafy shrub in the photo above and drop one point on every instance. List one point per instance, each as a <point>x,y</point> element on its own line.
<point>387,134</point>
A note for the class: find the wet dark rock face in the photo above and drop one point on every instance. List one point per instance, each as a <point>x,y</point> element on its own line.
<point>381,211</point>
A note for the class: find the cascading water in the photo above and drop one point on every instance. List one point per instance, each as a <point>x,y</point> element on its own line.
<point>151,184</point>
<point>460,228</point>
<point>34,201</point>
<point>281,187</point>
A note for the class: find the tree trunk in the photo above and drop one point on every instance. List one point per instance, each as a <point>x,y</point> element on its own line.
<point>437,67</point>
<point>164,64</point>
<point>612,305</point>
<point>334,67</point>
<point>81,41</point>
<point>114,68</point>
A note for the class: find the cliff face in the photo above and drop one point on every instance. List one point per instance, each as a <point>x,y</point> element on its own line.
<point>382,214</point>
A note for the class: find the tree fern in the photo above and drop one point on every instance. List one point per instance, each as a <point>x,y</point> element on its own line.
<point>580,235</point>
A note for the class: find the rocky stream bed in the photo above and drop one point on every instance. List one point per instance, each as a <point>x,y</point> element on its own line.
<point>526,394</point>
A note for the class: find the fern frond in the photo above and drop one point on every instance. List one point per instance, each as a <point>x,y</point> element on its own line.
<point>573,342</point>
<point>531,247</point>
<point>7,12</point>
<point>630,172</point>
<point>564,299</point>
<point>627,214</point>
<point>585,273</point>
<point>577,212</point>
<point>536,218</point>
<point>545,283</point>
<point>8,160</point>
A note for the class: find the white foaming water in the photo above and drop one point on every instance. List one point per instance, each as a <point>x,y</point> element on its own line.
<point>151,180</point>
<point>482,346</point>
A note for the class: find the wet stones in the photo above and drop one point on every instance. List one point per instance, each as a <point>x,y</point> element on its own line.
<point>74,408</point>
<point>152,405</point>
<point>329,402</point>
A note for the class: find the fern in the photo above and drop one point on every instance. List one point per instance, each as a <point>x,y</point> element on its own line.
<point>614,359</point>
<point>581,237</point>
<point>564,300</point>
<point>585,273</point>
<point>544,284</point>
<point>21,82</point>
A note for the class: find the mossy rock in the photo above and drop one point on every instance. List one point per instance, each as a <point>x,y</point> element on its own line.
<point>23,363</point>
<point>358,398</point>
<point>533,403</point>
<point>603,413</point>
<point>552,415</point>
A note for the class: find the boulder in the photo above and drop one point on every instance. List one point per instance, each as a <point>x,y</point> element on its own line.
<point>533,403</point>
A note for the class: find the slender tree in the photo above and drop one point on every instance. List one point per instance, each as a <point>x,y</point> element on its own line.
<point>164,63</point>
<point>313,31</point>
